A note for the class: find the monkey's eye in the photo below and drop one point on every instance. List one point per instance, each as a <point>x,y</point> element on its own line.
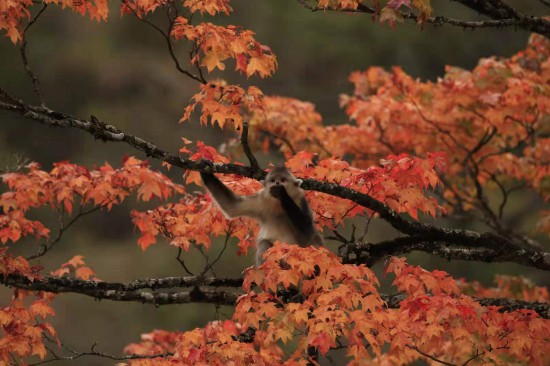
<point>272,180</point>
<point>283,180</point>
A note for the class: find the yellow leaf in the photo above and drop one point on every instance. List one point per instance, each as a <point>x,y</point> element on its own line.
<point>212,60</point>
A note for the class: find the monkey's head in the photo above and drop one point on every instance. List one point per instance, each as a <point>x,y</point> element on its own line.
<point>280,175</point>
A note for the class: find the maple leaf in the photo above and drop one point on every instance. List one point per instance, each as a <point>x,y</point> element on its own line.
<point>211,7</point>
<point>40,308</point>
<point>390,15</point>
<point>396,4</point>
<point>213,60</point>
<point>260,64</point>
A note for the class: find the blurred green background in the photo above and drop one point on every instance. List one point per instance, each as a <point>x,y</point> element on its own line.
<point>120,71</point>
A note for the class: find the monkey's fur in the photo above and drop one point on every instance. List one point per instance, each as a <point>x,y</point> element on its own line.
<point>280,208</point>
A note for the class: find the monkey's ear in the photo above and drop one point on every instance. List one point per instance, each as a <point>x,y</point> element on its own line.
<point>299,182</point>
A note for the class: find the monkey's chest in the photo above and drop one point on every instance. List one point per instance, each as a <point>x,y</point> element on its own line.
<point>278,228</point>
<point>276,225</point>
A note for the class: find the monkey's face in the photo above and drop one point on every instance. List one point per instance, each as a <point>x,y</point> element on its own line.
<point>281,179</point>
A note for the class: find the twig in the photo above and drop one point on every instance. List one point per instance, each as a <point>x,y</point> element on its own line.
<point>102,355</point>
<point>283,139</point>
<point>23,49</point>
<point>18,165</point>
<point>44,248</point>
<point>430,356</point>
<point>209,266</point>
<point>477,354</point>
<point>200,78</point>
<point>246,148</point>
<point>182,262</point>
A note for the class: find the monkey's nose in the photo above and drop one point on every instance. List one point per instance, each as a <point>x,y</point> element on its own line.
<point>277,183</point>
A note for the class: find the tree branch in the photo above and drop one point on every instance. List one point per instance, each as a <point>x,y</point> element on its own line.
<point>372,253</point>
<point>427,232</point>
<point>65,284</point>
<point>501,17</point>
<point>246,148</point>
<point>120,292</point>
<point>130,291</point>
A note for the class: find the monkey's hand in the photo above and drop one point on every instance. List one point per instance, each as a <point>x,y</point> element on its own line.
<point>278,191</point>
<point>208,177</point>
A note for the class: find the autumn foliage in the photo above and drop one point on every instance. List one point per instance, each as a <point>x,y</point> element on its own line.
<point>421,149</point>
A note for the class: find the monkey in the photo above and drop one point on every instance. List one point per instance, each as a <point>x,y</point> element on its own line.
<point>280,208</point>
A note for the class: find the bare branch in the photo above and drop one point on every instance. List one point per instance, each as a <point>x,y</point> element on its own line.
<point>246,148</point>
<point>282,138</point>
<point>200,78</point>
<point>182,262</point>
<point>23,49</point>
<point>46,247</point>
<point>209,266</point>
<point>18,165</point>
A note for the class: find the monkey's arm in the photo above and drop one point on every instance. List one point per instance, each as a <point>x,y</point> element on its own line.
<point>300,217</point>
<point>230,204</point>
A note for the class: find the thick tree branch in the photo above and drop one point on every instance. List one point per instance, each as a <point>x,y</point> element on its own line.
<point>427,232</point>
<point>371,253</point>
<point>64,284</point>
<point>130,291</point>
<point>124,292</point>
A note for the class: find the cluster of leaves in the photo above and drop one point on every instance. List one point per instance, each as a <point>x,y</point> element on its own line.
<point>338,306</point>
<point>218,43</point>
<point>76,268</point>
<point>389,10</point>
<point>66,183</point>
<point>22,327</point>
<point>62,187</point>
<point>490,123</point>
<point>510,287</point>
<point>11,15</point>
<point>14,13</point>
<point>221,103</point>
<point>399,182</point>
